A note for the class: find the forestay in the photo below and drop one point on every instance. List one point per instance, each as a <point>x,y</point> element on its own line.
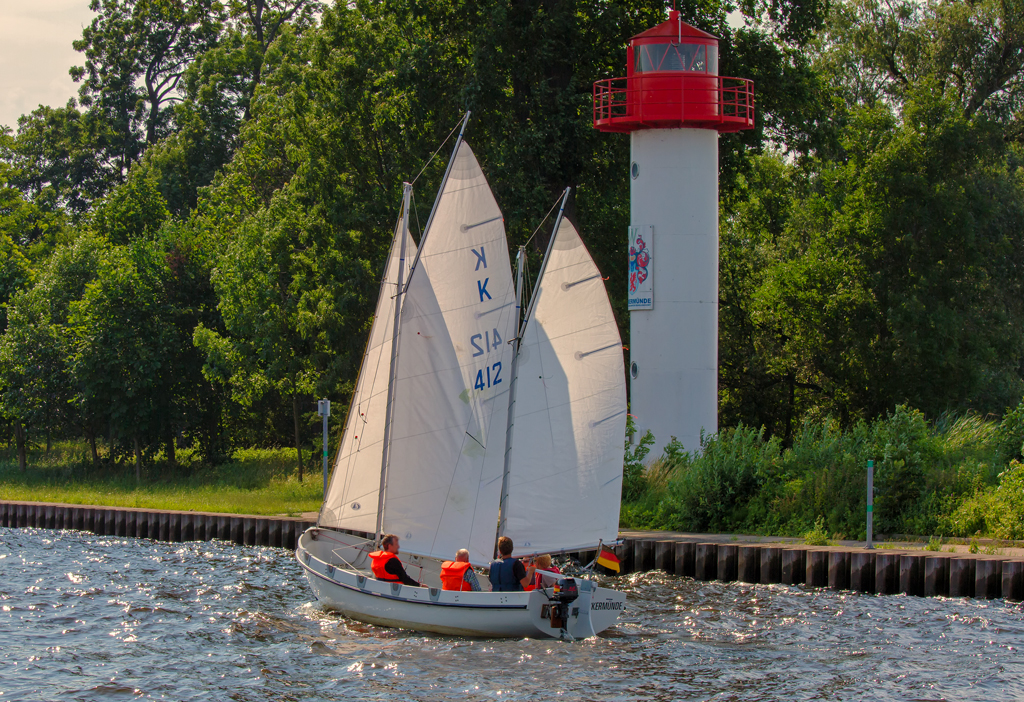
<point>565,478</point>
<point>351,501</point>
<point>449,413</point>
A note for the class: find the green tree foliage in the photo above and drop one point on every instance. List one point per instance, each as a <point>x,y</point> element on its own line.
<point>36,387</point>
<point>884,268</point>
<point>136,52</point>
<point>57,158</point>
<point>930,478</point>
<point>133,210</point>
<point>136,371</point>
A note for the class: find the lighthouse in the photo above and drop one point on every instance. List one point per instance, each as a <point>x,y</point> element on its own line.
<point>674,105</point>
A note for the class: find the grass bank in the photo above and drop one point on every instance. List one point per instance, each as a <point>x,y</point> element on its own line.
<point>956,476</point>
<point>256,481</point>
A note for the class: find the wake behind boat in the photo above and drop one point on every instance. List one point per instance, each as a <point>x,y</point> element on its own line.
<point>452,372</point>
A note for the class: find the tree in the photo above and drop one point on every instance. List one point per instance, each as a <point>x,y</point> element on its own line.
<point>136,52</point>
<point>290,296</point>
<point>121,346</point>
<point>36,387</point>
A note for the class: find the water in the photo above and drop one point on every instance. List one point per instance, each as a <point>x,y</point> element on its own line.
<point>86,617</point>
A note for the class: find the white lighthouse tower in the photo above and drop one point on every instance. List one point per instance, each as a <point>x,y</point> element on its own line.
<point>674,105</point>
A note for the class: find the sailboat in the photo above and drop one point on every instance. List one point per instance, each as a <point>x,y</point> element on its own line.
<point>471,420</point>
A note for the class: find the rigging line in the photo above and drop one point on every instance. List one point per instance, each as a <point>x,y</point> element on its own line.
<point>429,160</point>
<point>557,200</point>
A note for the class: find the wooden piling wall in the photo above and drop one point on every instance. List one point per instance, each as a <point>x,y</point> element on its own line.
<point>881,571</point>
<point>156,524</point>
<point>860,570</point>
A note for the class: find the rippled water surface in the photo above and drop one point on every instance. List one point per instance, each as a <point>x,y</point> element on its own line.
<point>85,617</point>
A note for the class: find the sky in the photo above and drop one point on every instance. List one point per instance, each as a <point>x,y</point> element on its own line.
<point>36,53</point>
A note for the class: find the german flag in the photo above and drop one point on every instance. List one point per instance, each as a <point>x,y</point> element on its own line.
<point>609,560</point>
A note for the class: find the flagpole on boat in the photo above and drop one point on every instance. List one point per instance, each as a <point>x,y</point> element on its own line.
<point>520,328</point>
<point>399,291</point>
<point>437,199</point>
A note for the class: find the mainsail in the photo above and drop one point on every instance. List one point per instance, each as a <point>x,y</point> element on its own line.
<point>452,375</point>
<point>565,479</point>
<point>351,501</point>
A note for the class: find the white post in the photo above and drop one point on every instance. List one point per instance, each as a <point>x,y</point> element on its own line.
<point>323,408</point>
<point>871,501</point>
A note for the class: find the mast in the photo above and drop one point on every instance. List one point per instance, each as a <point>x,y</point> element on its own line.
<point>399,290</point>
<point>444,181</point>
<point>510,422</point>
<point>503,507</point>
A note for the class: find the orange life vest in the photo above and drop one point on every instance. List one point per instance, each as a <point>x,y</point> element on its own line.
<point>380,559</point>
<point>453,575</point>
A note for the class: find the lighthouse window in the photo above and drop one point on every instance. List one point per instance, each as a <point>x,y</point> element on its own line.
<point>693,58</point>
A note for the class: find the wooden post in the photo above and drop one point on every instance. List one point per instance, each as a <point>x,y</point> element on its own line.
<point>839,570</point>
<point>771,565</point>
<point>685,552</point>
<point>887,573</point>
<point>748,564</point>
<point>794,568</point>
<point>817,568</point>
<point>706,559</point>
<point>912,574</point>
<point>988,578</point>
<point>728,555</point>
<point>862,571</point>
<point>1013,581</point>
<point>961,577</point>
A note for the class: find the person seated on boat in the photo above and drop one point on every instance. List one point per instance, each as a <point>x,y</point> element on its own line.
<point>541,564</point>
<point>458,574</point>
<point>507,573</point>
<point>385,564</point>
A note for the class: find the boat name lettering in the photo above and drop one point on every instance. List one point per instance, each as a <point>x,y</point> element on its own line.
<point>606,605</point>
<point>481,257</point>
<point>492,339</point>
<point>481,288</point>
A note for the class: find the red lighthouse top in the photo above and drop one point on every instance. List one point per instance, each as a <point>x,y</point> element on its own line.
<point>672,81</point>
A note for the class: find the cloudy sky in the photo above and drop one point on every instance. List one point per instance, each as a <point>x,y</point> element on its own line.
<point>36,53</point>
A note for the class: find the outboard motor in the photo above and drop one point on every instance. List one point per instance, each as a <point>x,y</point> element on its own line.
<point>564,593</point>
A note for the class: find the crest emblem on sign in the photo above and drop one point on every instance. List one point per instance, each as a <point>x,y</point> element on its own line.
<point>639,260</point>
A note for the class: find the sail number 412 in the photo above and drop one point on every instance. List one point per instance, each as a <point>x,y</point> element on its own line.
<point>490,379</point>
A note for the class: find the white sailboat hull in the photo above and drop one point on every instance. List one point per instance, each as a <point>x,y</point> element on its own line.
<point>480,614</point>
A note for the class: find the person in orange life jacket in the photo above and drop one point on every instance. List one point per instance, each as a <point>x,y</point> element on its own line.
<point>385,563</point>
<point>458,574</point>
<point>543,564</point>
<point>507,573</point>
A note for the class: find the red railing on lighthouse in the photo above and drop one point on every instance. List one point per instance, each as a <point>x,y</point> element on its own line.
<point>665,101</point>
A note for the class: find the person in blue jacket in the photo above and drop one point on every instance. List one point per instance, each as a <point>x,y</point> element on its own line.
<point>508,574</point>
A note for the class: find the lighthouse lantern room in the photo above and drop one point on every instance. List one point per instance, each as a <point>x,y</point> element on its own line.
<point>674,105</point>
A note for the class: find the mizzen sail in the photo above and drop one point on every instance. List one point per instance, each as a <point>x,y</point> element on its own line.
<point>565,479</point>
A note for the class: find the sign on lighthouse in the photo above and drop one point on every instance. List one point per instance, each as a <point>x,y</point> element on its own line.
<point>674,105</point>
